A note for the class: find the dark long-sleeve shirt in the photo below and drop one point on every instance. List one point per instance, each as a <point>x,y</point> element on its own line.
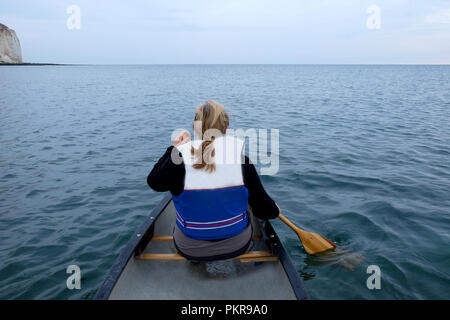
<point>168,176</point>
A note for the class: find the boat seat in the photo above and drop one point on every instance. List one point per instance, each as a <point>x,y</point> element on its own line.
<point>251,256</point>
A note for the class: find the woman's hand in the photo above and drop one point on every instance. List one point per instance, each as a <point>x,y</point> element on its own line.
<point>182,138</point>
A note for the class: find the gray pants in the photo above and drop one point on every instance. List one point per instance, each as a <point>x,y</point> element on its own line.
<point>202,249</point>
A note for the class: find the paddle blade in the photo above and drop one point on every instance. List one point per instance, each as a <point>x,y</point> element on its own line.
<point>314,243</point>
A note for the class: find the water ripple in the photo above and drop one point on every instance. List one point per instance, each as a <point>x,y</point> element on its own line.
<point>364,156</point>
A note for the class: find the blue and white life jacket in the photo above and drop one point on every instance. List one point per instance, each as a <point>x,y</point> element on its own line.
<point>213,205</point>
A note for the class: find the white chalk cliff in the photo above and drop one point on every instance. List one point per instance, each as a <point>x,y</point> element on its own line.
<point>10,51</point>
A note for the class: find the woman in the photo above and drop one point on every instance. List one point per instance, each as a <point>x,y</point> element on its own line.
<point>212,183</point>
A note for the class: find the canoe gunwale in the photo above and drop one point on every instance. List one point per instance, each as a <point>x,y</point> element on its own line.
<point>144,234</point>
<point>288,266</point>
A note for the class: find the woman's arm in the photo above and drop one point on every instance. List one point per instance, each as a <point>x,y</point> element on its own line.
<point>262,204</point>
<point>166,175</point>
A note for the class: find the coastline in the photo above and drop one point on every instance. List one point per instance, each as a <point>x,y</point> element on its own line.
<point>32,64</point>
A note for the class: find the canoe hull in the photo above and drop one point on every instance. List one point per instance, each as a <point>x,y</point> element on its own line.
<point>231,279</point>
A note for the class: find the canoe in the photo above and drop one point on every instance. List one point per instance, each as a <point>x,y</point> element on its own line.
<point>150,268</point>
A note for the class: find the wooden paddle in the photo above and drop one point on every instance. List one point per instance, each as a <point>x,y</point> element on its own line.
<point>312,242</point>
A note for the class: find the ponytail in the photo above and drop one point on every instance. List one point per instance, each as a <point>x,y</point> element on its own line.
<point>213,123</point>
<point>204,156</point>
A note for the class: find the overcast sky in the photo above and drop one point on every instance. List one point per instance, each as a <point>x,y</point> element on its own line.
<point>231,31</point>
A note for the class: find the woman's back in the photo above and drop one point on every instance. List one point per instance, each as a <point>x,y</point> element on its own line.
<point>212,184</point>
<point>213,204</point>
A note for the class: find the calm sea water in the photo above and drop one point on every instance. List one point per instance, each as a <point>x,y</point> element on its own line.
<point>364,161</point>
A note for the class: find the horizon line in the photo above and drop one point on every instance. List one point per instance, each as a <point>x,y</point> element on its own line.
<point>224,64</point>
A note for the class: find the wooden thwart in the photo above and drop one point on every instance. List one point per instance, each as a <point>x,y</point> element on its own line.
<point>260,259</point>
<point>251,256</point>
<point>160,256</point>
<point>170,238</point>
<point>162,238</point>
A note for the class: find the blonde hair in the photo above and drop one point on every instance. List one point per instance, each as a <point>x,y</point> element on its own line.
<point>214,122</point>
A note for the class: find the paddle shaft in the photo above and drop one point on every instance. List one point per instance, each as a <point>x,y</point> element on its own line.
<point>290,224</point>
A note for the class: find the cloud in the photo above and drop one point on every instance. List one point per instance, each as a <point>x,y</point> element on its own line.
<point>439,17</point>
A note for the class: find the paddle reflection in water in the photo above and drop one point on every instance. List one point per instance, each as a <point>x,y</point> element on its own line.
<point>339,257</point>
